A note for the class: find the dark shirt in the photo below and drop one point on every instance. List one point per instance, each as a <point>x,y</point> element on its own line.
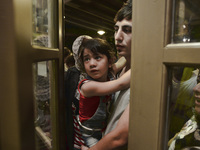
<point>71,77</point>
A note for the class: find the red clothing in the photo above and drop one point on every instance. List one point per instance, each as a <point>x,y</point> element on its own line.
<point>78,141</point>
<point>87,105</point>
<point>88,110</point>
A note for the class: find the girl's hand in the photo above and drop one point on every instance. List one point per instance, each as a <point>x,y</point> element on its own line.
<point>84,147</point>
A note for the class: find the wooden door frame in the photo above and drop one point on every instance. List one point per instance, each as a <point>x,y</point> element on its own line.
<point>152,54</point>
<point>17,56</point>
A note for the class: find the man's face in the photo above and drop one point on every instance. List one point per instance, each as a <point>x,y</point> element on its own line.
<point>123,36</point>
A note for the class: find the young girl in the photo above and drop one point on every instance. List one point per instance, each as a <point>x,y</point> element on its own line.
<point>95,91</point>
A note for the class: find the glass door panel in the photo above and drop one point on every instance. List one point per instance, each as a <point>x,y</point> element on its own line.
<point>43,104</point>
<point>44,26</point>
<point>182,115</point>
<point>186,21</point>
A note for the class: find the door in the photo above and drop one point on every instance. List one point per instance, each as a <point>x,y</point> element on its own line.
<point>32,98</point>
<point>165,37</point>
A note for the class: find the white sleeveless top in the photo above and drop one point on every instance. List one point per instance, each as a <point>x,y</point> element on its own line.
<point>122,99</point>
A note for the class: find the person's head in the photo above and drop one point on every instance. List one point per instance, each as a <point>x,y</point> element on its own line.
<point>96,57</point>
<point>123,31</point>
<point>67,51</point>
<point>125,12</point>
<point>69,61</point>
<point>76,47</point>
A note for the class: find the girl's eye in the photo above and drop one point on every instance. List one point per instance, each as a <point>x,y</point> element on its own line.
<point>86,59</point>
<point>98,57</point>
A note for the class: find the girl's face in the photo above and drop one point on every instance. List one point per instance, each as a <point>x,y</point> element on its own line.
<point>96,65</point>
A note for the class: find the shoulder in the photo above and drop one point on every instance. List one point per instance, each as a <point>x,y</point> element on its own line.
<point>71,72</point>
<point>73,69</point>
<point>82,82</point>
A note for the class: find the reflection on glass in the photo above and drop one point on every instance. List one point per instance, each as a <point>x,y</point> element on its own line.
<point>44,23</point>
<point>42,96</point>
<point>183,130</point>
<point>186,23</point>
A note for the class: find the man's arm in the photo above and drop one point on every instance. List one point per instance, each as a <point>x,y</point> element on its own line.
<point>118,137</point>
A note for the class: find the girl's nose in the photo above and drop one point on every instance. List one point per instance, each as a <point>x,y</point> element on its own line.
<point>92,63</point>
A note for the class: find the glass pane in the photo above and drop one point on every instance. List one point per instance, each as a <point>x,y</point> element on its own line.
<point>42,96</point>
<point>44,23</point>
<point>183,130</point>
<point>186,23</point>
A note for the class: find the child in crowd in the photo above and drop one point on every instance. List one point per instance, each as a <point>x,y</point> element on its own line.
<point>95,91</point>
